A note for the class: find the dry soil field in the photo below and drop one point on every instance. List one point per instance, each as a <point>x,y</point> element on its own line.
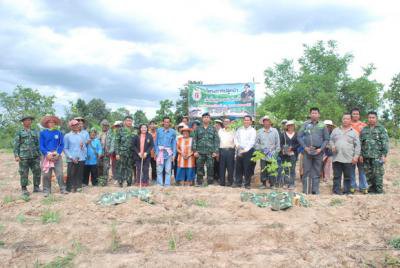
<point>197,227</point>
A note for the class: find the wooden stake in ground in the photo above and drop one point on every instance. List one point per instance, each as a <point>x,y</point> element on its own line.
<point>141,174</point>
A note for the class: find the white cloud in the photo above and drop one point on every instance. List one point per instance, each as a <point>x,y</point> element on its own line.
<point>135,53</point>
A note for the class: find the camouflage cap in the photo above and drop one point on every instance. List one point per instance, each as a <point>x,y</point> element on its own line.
<point>23,118</point>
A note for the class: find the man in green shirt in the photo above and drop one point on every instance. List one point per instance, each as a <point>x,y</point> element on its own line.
<point>27,154</point>
<point>124,152</point>
<point>205,147</point>
<point>374,149</point>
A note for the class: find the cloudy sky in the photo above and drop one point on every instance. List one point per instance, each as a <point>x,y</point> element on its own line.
<point>136,53</point>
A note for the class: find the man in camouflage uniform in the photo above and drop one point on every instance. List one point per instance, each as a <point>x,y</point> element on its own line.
<point>205,147</point>
<point>106,139</point>
<point>27,153</point>
<point>374,149</point>
<point>124,152</point>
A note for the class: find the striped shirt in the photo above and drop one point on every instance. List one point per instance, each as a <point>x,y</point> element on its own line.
<point>185,147</point>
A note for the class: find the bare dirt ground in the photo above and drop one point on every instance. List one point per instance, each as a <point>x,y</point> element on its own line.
<point>198,227</point>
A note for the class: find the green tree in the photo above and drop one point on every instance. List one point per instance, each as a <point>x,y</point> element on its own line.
<point>118,115</point>
<point>165,110</point>
<point>392,96</point>
<point>22,101</point>
<point>322,80</point>
<point>181,105</point>
<point>140,118</point>
<point>97,110</point>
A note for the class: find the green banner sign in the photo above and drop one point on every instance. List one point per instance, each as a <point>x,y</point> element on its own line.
<point>233,100</point>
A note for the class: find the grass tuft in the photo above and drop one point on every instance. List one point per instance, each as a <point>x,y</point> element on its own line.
<point>51,199</point>
<point>201,203</point>
<point>395,242</point>
<point>8,199</point>
<point>21,218</point>
<point>49,216</point>
<point>336,202</point>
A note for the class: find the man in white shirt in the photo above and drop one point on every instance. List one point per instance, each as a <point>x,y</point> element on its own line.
<point>245,138</point>
<point>226,153</point>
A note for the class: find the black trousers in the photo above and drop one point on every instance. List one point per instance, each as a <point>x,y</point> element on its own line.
<point>340,169</point>
<point>226,164</point>
<point>244,168</point>
<point>153,164</point>
<point>145,175</point>
<point>74,175</point>
<point>90,170</point>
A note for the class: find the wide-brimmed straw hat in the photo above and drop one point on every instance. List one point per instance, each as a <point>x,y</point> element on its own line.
<point>50,118</point>
<point>186,129</point>
<point>265,117</point>
<point>329,123</point>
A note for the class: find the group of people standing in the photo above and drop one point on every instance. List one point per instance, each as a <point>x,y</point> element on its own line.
<point>203,153</point>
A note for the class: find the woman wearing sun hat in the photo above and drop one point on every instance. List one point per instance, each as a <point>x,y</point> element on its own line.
<point>51,147</point>
<point>186,161</point>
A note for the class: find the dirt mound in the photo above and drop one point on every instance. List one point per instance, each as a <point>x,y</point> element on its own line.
<point>197,227</point>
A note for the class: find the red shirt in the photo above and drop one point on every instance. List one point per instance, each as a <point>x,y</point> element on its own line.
<point>358,126</point>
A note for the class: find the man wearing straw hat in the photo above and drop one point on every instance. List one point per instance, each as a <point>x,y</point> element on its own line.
<point>106,144</point>
<point>27,154</point>
<point>268,142</point>
<point>51,147</point>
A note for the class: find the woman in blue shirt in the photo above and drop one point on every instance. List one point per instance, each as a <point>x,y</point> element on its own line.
<point>94,152</point>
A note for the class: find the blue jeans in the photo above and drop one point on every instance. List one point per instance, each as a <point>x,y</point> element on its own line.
<point>167,165</point>
<point>361,177</point>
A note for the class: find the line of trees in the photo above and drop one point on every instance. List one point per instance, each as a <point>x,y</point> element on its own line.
<point>320,78</point>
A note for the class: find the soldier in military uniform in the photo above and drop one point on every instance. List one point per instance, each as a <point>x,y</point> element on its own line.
<point>106,139</point>
<point>205,147</point>
<point>27,153</point>
<point>374,149</point>
<point>124,152</point>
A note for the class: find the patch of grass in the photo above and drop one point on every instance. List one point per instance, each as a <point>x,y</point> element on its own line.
<point>396,183</point>
<point>391,261</point>
<point>172,244</point>
<point>201,203</point>
<point>395,242</point>
<point>50,200</point>
<point>275,225</point>
<point>21,218</point>
<point>2,243</point>
<point>115,243</point>
<point>8,199</point>
<point>62,261</point>
<point>26,198</point>
<point>50,217</point>
<point>336,202</point>
<point>189,235</point>
<point>1,227</point>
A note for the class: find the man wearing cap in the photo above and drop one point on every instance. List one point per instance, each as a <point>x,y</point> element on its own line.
<point>205,147</point>
<point>124,152</point>
<point>27,154</point>
<point>313,137</point>
<point>51,146</point>
<point>106,139</point>
<point>346,148</point>
<point>268,142</point>
<point>76,152</point>
<point>218,124</point>
<point>82,130</point>
<point>245,139</point>
<point>226,153</point>
<point>374,149</point>
<point>165,149</point>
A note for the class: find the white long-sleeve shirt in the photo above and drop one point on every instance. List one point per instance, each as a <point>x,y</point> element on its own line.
<point>245,138</point>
